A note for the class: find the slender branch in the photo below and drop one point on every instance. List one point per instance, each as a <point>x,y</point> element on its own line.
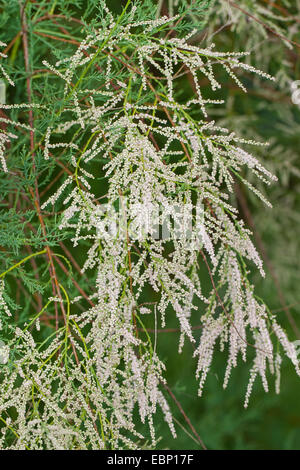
<point>249,219</point>
<point>21,262</point>
<point>186,418</point>
<point>262,23</point>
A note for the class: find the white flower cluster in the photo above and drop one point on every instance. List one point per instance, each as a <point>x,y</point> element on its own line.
<point>152,151</point>
<point>4,136</point>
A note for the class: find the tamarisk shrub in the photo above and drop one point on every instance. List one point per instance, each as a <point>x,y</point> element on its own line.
<point>117,191</point>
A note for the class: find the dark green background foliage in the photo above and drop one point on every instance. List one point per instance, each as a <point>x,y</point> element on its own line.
<point>265,113</point>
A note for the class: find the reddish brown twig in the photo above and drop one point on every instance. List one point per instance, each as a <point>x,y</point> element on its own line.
<point>34,192</point>
<point>186,418</point>
<point>262,23</point>
<point>260,244</point>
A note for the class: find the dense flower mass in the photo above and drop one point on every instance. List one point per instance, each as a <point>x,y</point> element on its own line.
<point>169,172</point>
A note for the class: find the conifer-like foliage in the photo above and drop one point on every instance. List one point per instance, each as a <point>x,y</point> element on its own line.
<point>118,213</point>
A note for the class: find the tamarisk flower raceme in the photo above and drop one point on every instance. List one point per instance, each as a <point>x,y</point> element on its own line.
<point>171,170</point>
